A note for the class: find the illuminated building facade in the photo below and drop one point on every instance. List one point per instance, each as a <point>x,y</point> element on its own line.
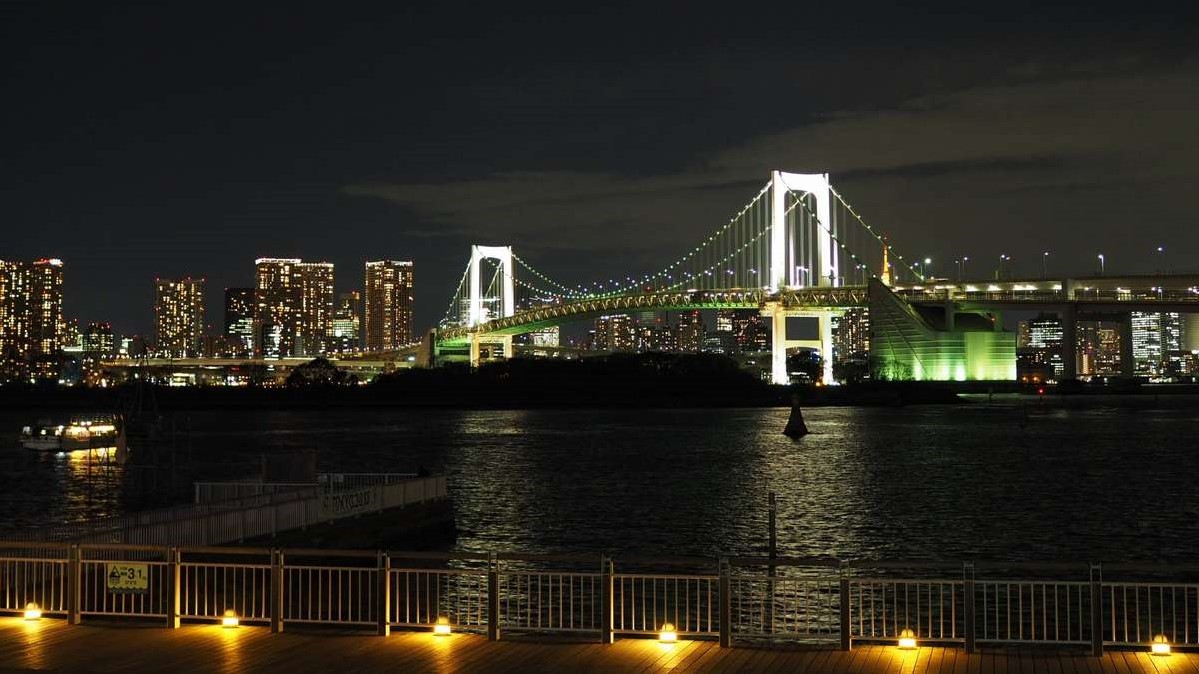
<point>691,331</point>
<point>911,343</point>
<point>1147,347</point>
<point>550,336</point>
<point>98,340</point>
<point>851,334</point>
<point>239,322</point>
<point>293,307</point>
<point>389,302</point>
<point>32,329</point>
<point>346,323</point>
<point>179,317</point>
<point>614,333</point>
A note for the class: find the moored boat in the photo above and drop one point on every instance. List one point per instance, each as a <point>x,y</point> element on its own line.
<point>81,432</point>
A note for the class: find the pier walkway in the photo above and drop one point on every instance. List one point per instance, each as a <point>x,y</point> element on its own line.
<point>53,645</point>
<point>227,513</point>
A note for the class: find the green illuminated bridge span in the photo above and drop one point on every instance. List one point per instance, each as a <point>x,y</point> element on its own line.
<point>796,248</point>
<point>735,298</point>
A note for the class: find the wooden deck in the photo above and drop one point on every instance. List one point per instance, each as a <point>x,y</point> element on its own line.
<point>54,645</point>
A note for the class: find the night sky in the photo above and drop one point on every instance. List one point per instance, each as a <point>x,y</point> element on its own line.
<point>192,139</point>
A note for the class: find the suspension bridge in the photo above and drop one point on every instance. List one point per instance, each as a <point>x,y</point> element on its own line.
<point>798,248</point>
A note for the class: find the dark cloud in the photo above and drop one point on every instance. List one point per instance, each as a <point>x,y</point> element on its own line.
<point>175,140</point>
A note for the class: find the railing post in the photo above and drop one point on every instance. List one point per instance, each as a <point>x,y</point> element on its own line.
<point>74,585</point>
<point>846,636</point>
<point>493,598</point>
<point>1097,610</point>
<point>726,612</point>
<point>174,573</point>
<point>383,607</point>
<point>607,600</point>
<point>968,605</point>
<point>276,591</point>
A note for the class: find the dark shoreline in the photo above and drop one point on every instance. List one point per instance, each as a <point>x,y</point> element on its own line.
<point>665,395</point>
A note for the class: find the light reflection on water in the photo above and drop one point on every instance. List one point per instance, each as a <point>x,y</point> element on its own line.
<point>948,482</point>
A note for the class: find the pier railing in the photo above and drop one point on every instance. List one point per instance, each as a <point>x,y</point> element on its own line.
<point>731,599</point>
<point>248,517</point>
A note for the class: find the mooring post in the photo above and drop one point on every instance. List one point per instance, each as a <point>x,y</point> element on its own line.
<point>773,554</point>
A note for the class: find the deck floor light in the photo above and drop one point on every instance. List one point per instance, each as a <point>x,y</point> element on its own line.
<point>1160,645</point>
<point>230,619</point>
<point>668,635</point>
<point>907,639</point>
<point>442,627</point>
<point>33,611</point>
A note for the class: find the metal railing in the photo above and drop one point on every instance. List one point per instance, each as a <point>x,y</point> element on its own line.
<point>245,518</point>
<point>733,599</point>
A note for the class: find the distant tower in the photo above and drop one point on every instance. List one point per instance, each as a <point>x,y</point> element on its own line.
<point>886,275</point>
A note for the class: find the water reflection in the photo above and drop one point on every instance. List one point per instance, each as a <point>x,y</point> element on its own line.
<point>962,481</point>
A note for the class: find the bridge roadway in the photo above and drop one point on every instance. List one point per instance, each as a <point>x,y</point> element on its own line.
<point>53,645</point>
<point>1101,294</point>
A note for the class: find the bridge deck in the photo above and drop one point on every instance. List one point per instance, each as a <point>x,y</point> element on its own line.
<point>54,645</point>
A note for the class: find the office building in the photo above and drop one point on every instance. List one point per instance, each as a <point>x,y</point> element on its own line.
<point>389,302</point>
<point>179,318</point>
<point>239,322</point>
<point>346,323</point>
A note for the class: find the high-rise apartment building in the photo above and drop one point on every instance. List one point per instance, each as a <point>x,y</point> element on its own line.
<point>388,293</point>
<point>691,331</point>
<point>179,318</point>
<point>851,334</point>
<point>293,313</point>
<point>614,333</point>
<point>31,322</point>
<point>239,321</point>
<point>346,323</point>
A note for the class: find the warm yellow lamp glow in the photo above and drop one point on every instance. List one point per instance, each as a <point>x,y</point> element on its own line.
<point>1160,645</point>
<point>668,635</point>
<point>907,639</point>
<point>229,619</point>
<point>33,611</point>
<point>442,627</point>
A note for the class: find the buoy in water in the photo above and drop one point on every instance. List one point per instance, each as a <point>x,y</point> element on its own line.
<point>796,428</point>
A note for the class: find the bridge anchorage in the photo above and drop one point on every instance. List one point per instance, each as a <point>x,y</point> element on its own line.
<point>796,249</point>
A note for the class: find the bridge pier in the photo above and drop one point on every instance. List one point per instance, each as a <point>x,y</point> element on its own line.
<point>476,347</point>
<point>1128,366</point>
<point>779,342</point>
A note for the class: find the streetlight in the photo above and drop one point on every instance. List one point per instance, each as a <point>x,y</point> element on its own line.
<point>1045,265</point>
<point>1101,261</point>
<point>999,273</point>
<point>1161,257</point>
<point>924,266</point>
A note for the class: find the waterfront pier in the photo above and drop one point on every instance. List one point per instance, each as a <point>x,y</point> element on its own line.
<point>436,610</point>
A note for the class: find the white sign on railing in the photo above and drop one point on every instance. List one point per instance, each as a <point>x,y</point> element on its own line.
<point>351,502</point>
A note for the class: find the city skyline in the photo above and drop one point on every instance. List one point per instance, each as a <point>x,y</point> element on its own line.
<point>1009,138</point>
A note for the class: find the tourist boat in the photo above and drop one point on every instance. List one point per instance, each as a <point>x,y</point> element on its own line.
<point>105,430</point>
